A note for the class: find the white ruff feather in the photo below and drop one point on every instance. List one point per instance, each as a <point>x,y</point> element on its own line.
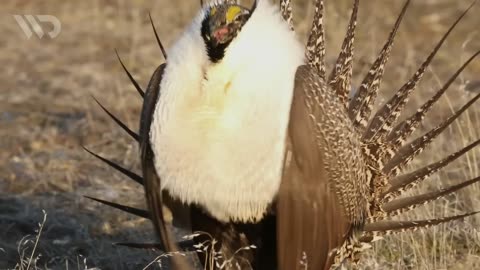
<point>218,130</point>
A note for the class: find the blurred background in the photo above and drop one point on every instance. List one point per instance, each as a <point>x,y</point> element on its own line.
<point>47,113</point>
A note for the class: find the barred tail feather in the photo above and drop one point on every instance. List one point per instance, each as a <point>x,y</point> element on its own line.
<point>398,206</point>
<point>362,103</point>
<point>341,75</point>
<point>410,180</point>
<point>389,227</point>
<point>386,116</point>
<point>403,130</point>
<point>286,10</point>
<point>315,49</point>
<point>406,153</point>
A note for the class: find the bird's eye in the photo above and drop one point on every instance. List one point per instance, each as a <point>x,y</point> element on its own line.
<point>220,26</point>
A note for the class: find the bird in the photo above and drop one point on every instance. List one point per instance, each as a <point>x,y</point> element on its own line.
<point>247,141</point>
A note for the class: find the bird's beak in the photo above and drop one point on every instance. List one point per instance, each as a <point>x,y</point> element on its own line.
<point>224,26</point>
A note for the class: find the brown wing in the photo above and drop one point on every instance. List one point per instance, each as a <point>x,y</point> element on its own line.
<point>320,198</point>
<point>151,180</point>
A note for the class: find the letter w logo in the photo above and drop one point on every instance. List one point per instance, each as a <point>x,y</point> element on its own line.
<point>31,24</point>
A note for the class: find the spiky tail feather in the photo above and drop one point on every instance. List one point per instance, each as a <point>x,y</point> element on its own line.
<point>130,77</point>
<point>128,209</point>
<point>130,132</point>
<point>361,105</point>
<point>408,152</point>
<point>159,42</point>
<point>401,205</point>
<point>286,10</point>
<point>388,227</point>
<point>130,174</point>
<point>153,84</point>
<point>315,49</point>
<point>408,181</point>
<point>341,75</point>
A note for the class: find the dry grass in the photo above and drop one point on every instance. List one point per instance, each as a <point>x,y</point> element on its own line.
<point>47,113</point>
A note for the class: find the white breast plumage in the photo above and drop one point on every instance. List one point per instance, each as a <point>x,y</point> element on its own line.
<point>218,130</point>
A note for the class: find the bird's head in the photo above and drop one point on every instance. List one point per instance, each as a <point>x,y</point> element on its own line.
<point>228,56</point>
<point>221,24</point>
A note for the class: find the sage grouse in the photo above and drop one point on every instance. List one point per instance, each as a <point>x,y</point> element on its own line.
<point>248,142</point>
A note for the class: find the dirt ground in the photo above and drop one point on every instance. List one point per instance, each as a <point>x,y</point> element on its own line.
<point>47,113</point>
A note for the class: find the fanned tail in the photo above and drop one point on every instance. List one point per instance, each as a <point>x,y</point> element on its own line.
<point>388,188</point>
<point>385,146</point>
